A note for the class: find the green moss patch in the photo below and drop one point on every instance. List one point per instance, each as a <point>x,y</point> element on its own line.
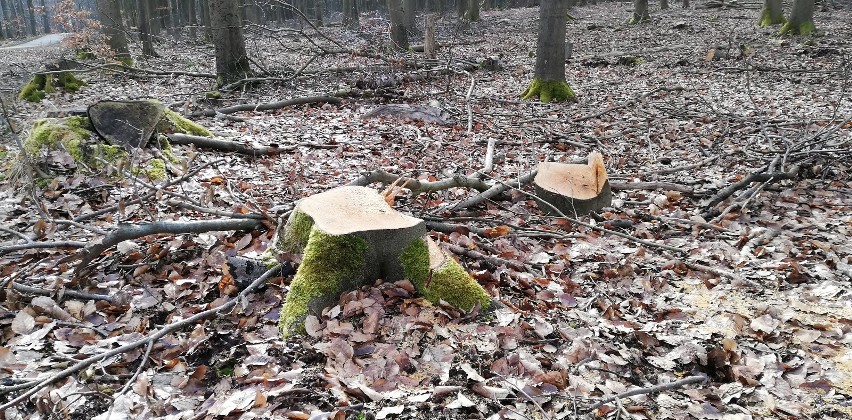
<point>767,20</point>
<point>173,122</point>
<point>328,263</point>
<point>41,84</point>
<point>549,90</point>
<point>805,28</point>
<point>449,282</point>
<point>73,135</point>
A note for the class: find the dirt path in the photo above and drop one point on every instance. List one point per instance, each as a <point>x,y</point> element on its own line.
<point>42,41</point>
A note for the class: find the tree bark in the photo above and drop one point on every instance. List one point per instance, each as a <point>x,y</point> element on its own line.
<point>801,20</point>
<point>472,10</point>
<point>45,21</point>
<point>193,19</point>
<point>664,4</point>
<point>143,22</point>
<point>429,44</point>
<point>772,13</point>
<point>7,19</point>
<point>350,14</point>
<point>685,4</point>
<point>640,12</point>
<point>231,59</point>
<point>31,22</point>
<point>410,9</point>
<point>399,33</point>
<point>113,27</point>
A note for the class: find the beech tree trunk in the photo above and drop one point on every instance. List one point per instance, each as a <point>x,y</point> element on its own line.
<point>6,23</point>
<point>350,14</point>
<point>143,22</point>
<point>193,19</point>
<point>399,33</point>
<point>685,4</point>
<point>429,44</point>
<point>232,62</point>
<point>31,22</point>
<point>640,12</point>
<point>472,10</point>
<point>113,27</point>
<point>801,20</point>
<point>409,7</point>
<point>772,13</point>
<point>549,80</point>
<point>664,4</point>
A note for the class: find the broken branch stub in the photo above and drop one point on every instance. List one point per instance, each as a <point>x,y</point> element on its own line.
<point>574,189</point>
<point>351,237</point>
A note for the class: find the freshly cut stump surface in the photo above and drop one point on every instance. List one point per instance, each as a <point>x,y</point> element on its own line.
<point>574,189</point>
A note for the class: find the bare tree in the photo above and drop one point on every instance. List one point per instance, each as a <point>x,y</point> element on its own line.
<point>772,13</point>
<point>801,20</point>
<point>113,28</point>
<point>231,59</point>
<point>549,82</point>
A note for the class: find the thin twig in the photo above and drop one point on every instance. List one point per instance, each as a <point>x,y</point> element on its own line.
<point>651,389</point>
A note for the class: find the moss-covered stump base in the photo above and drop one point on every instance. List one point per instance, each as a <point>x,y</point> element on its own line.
<point>805,28</point>
<point>767,19</point>
<point>72,135</point>
<point>573,189</point>
<point>40,85</point>
<point>639,18</point>
<point>350,238</point>
<point>549,90</point>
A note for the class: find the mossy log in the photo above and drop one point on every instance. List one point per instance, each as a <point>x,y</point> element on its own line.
<point>574,189</point>
<point>351,237</point>
<point>549,90</point>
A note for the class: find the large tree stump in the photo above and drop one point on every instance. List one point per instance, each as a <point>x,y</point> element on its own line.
<point>351,237</point>
<point>574,189</point>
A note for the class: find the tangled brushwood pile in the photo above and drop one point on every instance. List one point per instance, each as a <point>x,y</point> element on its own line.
<point>714,284</point>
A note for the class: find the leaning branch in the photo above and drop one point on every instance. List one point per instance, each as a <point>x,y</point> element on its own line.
<point>417,186</point>
<point>126,232</point>
<point>237,147</point>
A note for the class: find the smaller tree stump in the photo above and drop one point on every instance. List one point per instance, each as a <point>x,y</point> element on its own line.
<point>351,237</point>
<point>574,189</point>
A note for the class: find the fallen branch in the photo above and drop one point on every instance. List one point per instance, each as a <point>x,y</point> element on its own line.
<point>40,245</point>
<point>759,176</point>
<point>494,191</point>
<point>493,261</point>
<point>656,388</point>
<point>628,103</point>
<point>148,195</point>
<point>417,186</point>
<point>79,366</point>
<point>676,169</point>
<point>65,292</point>
<point>127,232</point>
<point>268,106</point>
<point>237,147</point>
<point>669,186</point>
